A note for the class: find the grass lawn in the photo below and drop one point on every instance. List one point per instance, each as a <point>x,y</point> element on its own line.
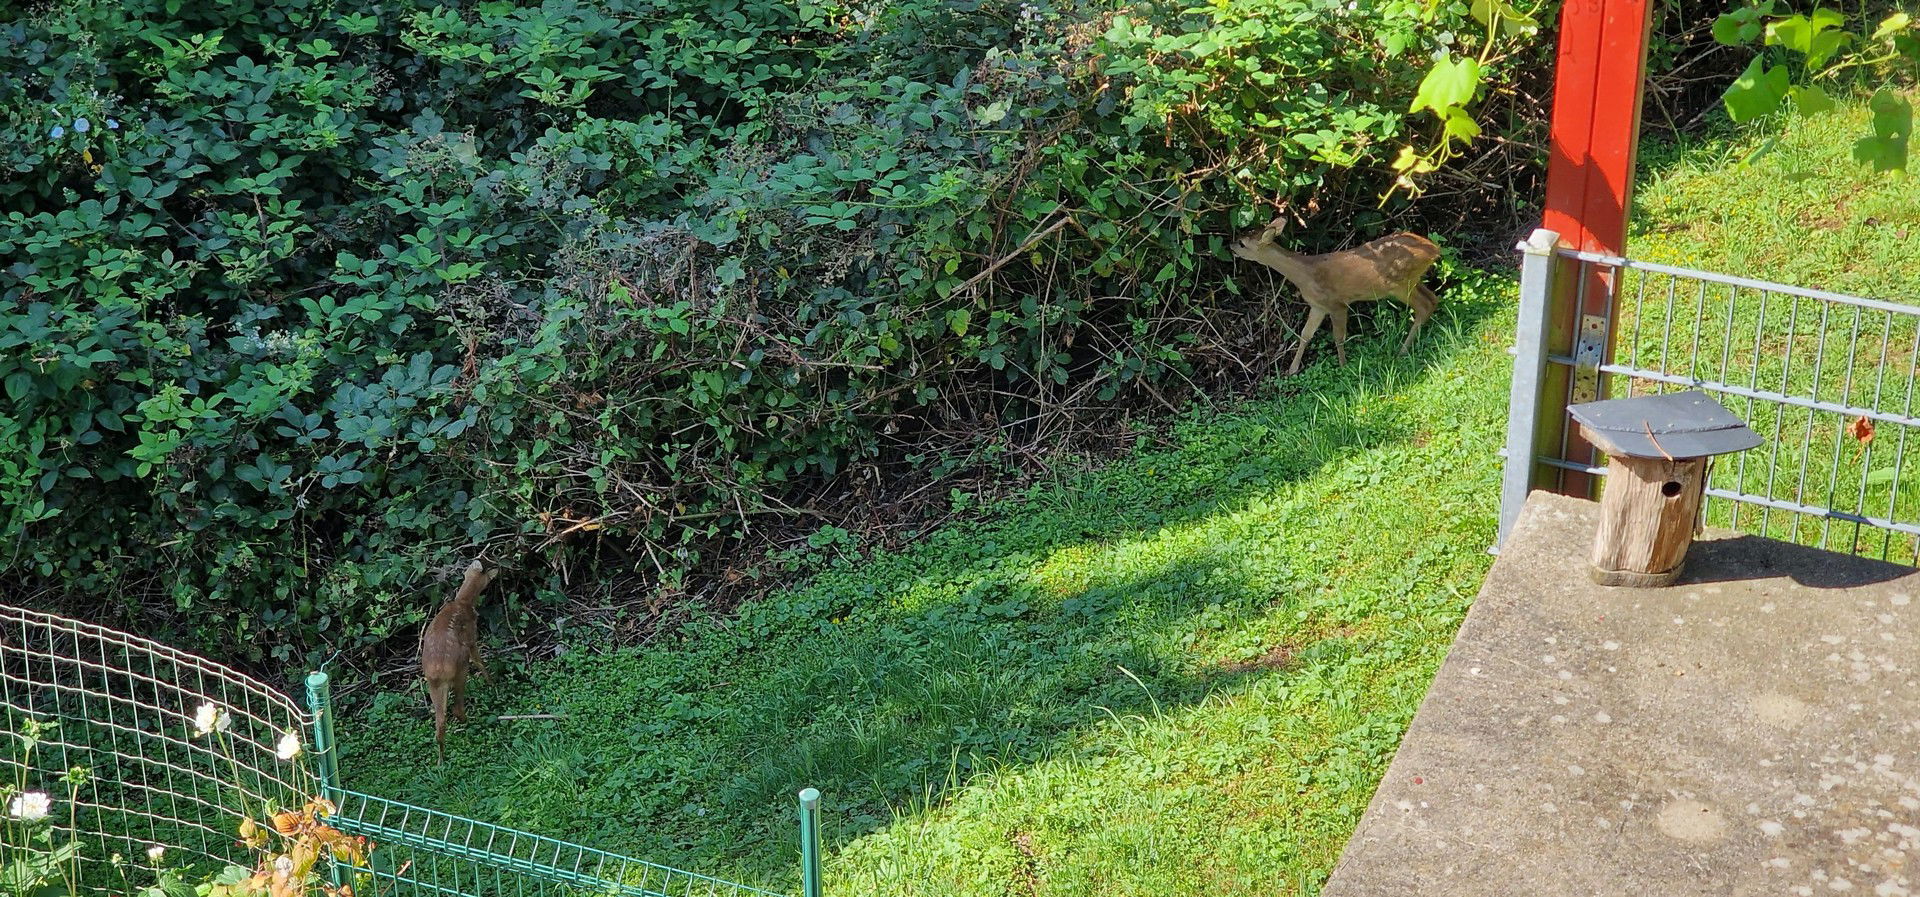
<point>1181,672</point>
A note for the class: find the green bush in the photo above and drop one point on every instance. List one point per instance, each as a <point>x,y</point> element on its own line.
<point>303,301</point>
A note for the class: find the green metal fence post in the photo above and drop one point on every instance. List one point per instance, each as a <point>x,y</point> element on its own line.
<point>810,842</point>
<point>325,764</point>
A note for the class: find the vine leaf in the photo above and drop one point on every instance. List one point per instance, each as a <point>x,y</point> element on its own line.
<point>1450,83</point>
<point>1892,25</point>
<point>1757,92</point>
<point>1810,99</point>
<point>1742,25</point>
<point>1817,37</point>
<point>1410,162</point>
<point>1512,22</point>
<point>1886,150</point>
<point>1461,126</point>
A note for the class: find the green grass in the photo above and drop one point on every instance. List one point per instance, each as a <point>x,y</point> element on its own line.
<point>1801,212</point>
<point>1181,672</point>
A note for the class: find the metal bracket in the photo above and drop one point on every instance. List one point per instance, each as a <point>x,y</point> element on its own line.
<point>1588,354</point>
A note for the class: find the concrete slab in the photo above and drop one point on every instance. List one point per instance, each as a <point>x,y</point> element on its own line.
<point>1753,729</point>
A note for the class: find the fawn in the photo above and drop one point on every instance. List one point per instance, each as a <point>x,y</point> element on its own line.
<point>1389,266</point>
<point>448,646</point>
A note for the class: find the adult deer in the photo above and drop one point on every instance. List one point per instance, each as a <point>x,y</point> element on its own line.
<point>1389,266</point>
<point>448,646</point>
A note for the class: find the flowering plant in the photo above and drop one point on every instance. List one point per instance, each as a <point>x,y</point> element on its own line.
<point>35,860</point>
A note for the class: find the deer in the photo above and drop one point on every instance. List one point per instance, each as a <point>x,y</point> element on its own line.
<point>448,647</point>
<point>1390,266</point>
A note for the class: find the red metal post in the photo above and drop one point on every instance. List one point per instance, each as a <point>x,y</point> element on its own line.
<point>1598,78</point>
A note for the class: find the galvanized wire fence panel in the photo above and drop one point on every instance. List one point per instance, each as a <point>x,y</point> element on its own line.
<point>138,745</point>
<point>122,709</point>
<point>431,853</point>
<point>1827,380</point>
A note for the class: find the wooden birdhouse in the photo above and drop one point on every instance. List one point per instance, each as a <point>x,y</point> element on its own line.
<point>1657,451</point>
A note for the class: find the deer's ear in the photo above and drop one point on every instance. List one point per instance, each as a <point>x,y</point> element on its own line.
<point>1272,231</point>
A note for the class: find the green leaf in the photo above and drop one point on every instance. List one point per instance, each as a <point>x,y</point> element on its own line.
<point>1886,150</point>
<point>1451,82</point>
<point>1827,17</point>
<point>958,319</point>
<point>1809,99</point>
<point>1792,32</point>
<point>1824,46</point>
<point>1817,37</point>
<point>1892,25</point>
<point>1757,93</point>
<point>1736,28</point>
<point>19,383</point>
<point>1410,162</point>
<point>1512,22</point>
<point>1759,152</point>
<point>1461,126</point>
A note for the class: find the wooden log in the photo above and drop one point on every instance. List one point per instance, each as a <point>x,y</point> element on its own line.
<point>1648,515</point>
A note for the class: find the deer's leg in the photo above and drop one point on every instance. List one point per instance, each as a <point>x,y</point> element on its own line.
<point>1340,334</point>
<point>460,700</point>
<point>437,695</point>
<point>1424,302</point>
<point>473,659</point>
<point>1314,317</point>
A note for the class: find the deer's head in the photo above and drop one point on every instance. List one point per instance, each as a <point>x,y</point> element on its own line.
<point>1258,244</point>
<point>476,579</point>
<point>1262,245</point>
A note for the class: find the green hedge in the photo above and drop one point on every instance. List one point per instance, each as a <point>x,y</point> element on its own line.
<point>304,301</point>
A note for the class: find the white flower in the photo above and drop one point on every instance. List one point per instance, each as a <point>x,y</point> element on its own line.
<point>283,865</point>
<point>288,748</point>
<point>155,852</point>
<point>31,806</point>
<point>211,717</point>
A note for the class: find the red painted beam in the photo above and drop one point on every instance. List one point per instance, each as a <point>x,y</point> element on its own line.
<point>1600,69</point>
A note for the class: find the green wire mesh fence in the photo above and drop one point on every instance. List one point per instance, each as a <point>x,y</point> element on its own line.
<point>157,768</point>
<point>177,750</point>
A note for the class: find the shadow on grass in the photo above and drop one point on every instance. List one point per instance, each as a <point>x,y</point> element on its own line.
<point>890,681</point>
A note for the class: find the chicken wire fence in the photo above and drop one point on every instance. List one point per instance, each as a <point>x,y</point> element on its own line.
<point>137,745</point>
<point>1827,379</point>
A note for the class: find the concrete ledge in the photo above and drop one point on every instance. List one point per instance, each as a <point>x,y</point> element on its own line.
<point>1753,729</point>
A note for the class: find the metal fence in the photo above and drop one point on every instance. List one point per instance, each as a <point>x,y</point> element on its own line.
<point>140,745</point>
<point>126,713</point>
<point>1827,379</point>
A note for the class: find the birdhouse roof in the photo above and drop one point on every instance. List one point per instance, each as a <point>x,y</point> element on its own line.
<point>1673,426</point>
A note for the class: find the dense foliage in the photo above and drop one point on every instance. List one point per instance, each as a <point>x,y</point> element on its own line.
<point>1801,52</point>
<point>301,302</point>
